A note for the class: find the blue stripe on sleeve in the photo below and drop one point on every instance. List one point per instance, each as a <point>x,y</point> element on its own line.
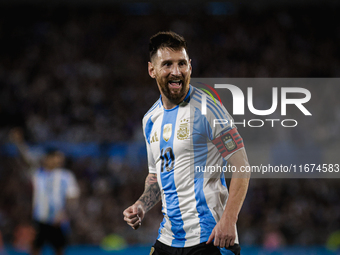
<point>211,109</point>
<point>217,107</point>
<point>148,129</point>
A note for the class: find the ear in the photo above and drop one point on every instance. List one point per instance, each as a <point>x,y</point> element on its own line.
<point>151,70</point>
<point>190,66</point>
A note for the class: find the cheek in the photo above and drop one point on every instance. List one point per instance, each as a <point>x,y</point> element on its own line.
<point>165,71</point>
<point>187,72</point>
<point>164,74</point>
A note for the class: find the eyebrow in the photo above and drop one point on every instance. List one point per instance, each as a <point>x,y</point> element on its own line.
<point>169,60</point>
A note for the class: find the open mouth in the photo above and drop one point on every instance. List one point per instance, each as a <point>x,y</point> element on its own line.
<point>175,84</point>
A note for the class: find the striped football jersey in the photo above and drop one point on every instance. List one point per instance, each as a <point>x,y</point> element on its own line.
<point>180,141</point>
<point>51,189</point>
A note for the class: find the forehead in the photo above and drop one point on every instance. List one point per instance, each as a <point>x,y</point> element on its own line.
<point>164,54</point>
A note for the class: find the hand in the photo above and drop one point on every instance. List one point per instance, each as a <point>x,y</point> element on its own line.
<point>60,218</point>
<point>224,234</point>
<point>134,215</point>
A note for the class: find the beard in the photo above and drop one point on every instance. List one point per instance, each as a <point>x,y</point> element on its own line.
<point>175,95</point>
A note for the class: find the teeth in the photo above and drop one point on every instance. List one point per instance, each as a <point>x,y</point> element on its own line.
<point>176,81</point>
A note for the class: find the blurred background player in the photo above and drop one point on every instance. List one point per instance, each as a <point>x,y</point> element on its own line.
<point>55,193</point>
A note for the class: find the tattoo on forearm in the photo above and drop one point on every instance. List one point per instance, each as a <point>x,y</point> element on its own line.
<point>152,193</point>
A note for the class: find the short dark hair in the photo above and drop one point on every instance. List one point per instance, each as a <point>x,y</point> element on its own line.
<point>166,40</point>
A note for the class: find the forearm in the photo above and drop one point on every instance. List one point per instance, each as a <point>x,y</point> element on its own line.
<point>238,187</point>
<point>151,194</point>
<point>72,205</point>
<point>237,193</point>
<point>23,151</point>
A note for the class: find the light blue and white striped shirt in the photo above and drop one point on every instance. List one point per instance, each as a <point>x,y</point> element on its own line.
<point>51,189</point>
<point>178,140</point>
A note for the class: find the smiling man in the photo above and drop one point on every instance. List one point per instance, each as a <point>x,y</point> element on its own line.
<point>199,214</point>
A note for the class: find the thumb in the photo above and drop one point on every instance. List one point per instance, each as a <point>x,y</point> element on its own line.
<point>211,237</point>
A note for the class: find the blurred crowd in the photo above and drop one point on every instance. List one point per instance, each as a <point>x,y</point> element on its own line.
<point>79,74</point>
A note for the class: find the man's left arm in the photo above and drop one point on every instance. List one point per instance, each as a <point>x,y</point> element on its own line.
<point>224,233</point>
<point>68,212</point>
<point>71,201</point>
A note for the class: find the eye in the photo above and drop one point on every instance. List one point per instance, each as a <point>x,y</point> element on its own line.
<point>182,63</point>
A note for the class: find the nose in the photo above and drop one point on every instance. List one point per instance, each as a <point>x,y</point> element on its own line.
<point>175,71</point>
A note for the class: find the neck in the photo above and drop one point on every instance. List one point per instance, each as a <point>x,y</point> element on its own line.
<point>48,168</point>
<point>167,104</point>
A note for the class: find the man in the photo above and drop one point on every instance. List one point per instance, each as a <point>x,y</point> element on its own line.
<point>55,193</point>
<point>199,217</point>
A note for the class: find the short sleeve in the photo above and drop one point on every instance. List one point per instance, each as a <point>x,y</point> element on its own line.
<point>151,161</point>
<point>147,128</point>
<point>73,190</point>
<point>224,134</point>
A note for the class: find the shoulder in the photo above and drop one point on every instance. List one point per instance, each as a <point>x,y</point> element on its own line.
<point>205,104</point>
<point>155,107</point>
<point>149,117</point>
<point>64,173</point>
<point>36,172</point>
<point>198,97</point>
<point>152,112</point>
<point>210,107</point>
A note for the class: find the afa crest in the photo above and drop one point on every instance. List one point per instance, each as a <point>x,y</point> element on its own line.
<point>229,142</point>
<point>183,131</point>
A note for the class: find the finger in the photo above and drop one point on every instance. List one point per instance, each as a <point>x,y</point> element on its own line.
<point>131,220</point>
<point>136,225</point>
<point>211,237</point>
<point>127,211</point>
<point>222,243</point>
<point>216,241</point>
<point>129,214</point>
<point>227,243</point>
<point>232,241</point>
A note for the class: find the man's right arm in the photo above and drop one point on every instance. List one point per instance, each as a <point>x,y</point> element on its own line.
<point>134,214</point>
<point>152,193</point>
<point>17,137</point>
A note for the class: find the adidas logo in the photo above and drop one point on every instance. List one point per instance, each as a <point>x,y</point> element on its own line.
<point>154,138</point>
